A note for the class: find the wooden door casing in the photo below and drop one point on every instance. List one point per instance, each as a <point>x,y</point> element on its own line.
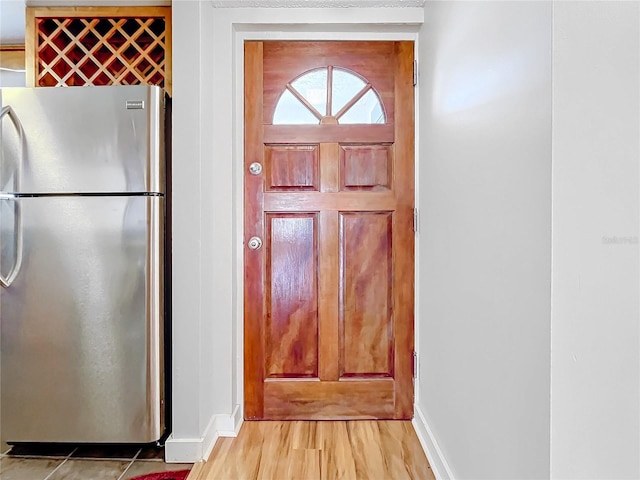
<point>329,298</point>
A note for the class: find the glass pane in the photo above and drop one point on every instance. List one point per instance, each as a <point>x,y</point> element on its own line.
<point>313,88</point>
<point>345,86</point>
<point>291,111</point>
<point>366,110</point>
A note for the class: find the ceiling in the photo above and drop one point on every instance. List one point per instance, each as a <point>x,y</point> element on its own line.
<point>316,3</point>
<point>12,12</point>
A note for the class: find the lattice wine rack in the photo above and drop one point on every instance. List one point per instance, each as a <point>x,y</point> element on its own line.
<point>99,46</point>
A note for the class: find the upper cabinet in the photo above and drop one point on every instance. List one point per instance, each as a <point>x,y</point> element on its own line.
<point>98,46</point>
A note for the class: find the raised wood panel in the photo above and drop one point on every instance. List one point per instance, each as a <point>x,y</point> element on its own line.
<point>291,337</point>
<point>291,167</point>
<point>366,167</point>
<point>366,320</point>
<point>305,399</point>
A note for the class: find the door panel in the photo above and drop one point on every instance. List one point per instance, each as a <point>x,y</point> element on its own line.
<point>291,167</point>
<point>329,297</point>
<point>366,167</point>
<point>366,313</point>
<point>292,296</point>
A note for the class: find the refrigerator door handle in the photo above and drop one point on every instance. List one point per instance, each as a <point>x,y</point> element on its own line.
<point>11,114</point>
<point>7,280</point>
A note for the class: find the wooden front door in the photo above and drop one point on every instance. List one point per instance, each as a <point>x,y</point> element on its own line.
<point>329,198</point>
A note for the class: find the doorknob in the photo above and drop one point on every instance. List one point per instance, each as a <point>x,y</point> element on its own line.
<point>255,243</point>
<point>255,168</point>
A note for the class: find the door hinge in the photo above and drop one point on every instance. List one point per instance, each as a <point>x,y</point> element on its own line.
<point>415,220</point>
<point>415,364</point>
<point>415,72</point>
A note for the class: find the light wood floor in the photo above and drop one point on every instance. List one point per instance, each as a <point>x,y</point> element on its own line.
<point>304,450</point>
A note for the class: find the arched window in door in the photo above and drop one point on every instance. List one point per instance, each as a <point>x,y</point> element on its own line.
<point>329,95</point>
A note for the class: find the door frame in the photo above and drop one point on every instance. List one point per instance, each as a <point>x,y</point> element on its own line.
<point>282,32</point>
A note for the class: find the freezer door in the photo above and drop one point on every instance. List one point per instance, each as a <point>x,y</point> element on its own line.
<point>82,319</point>
<point>82,139</point>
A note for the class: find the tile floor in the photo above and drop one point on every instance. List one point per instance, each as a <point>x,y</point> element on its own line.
<point>72,462</point>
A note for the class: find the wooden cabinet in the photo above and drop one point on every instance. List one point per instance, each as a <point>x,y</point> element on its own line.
<point>12,57</point>
<point>98,46</point>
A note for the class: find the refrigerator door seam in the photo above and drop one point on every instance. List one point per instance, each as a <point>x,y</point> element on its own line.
<point>81,194</point>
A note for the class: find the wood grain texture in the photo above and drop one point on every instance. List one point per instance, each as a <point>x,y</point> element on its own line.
<point>12,57</point>
<point>291,333</point>
<point>361,308</point>
<point>291,167</point>
<point>328,133</point>
<point>65,46</point>
<point>329,267</point>
<point>331,450</point>
<point>30,42</point>
<point>366,167</point>
<point>366,313</point>
<point>349,399</point>
<point>350,201</point>
<point>337,458</point>
<point>330,167</point>
<point>284,61</point>
<point>253,225</point>
<point>403,235</point>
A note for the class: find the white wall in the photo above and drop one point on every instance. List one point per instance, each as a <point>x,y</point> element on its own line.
<point>9,78</point>
<point>12,19</point>
<point>485,237</point>
<point>596,153</point>
<point>201,242</point>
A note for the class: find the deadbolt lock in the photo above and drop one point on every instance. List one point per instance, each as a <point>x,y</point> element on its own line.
<point>255,243</point>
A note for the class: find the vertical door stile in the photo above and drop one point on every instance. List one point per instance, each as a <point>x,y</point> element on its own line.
<point>328,338</point>
<point>403,230</point>
<point>253,259</point>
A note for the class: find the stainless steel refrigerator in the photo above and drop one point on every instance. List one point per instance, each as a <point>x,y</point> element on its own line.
<point>82,241</point>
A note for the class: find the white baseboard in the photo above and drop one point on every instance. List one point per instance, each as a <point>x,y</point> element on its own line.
<point>430,446</point>
<point>230,426</point>
<point>238,419</point>
<point>192,450</point>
